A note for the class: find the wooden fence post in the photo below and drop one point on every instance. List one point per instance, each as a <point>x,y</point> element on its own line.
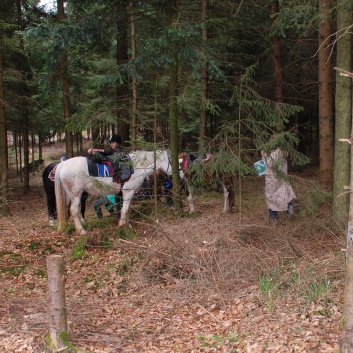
<point>57,303</point>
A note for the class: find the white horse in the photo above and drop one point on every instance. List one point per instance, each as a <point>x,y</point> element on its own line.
<point>72,178</point>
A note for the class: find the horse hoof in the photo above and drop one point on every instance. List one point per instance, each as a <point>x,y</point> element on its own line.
<point>82,232</point>
<point>51,222</point>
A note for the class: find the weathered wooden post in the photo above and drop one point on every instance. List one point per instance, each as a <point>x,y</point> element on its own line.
<point>57,302</point>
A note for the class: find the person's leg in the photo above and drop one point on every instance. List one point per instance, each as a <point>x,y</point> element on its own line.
<point>119,204</point>
<point>168,185</point>
<point>51,205</point>
<point>97,205</point>
<point>273,215</point>
<point>83,205</point>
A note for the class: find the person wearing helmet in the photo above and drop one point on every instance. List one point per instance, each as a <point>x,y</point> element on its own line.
<point>115,142</point>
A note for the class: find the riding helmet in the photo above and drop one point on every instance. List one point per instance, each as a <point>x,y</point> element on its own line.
<point>115,138</point>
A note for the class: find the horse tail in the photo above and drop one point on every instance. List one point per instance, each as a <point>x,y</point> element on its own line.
<point>231,192</point>
<point>61,199</point>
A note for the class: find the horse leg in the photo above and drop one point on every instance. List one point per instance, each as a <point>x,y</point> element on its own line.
<point>84,197</point>
<point>226,208</point>
<point>231,196</point>
<point>190,199</point>
<point>127,197</point>
<point>74,212</point>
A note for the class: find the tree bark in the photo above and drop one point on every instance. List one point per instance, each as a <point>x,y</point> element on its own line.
<point>69,140</point>
<point>347,334</point>
<point>325,96</point>
<point>277,62</point>
<point>24,103</point>
<point>5,209</point>
<point>123,102</point>
<point>133,130</point>
<point>343,114</point>
<point>173,111</point>
<point>57,302</point>
<point>204,78</point>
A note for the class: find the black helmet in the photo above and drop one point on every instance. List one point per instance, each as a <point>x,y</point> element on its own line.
<point>115,138</point>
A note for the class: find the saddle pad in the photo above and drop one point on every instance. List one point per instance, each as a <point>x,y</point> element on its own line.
<point>51,175</point>
<point>105,170</point>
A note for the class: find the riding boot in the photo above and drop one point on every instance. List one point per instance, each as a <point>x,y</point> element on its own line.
<point>97,205</point>
<point>273,215</point>
<point>118,204</point>
<point>99,213</point>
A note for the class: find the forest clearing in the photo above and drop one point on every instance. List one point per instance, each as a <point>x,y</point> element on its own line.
<point>207,282</point>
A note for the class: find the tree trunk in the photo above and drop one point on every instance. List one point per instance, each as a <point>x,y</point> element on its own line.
<point>173,112</point>
<point>15,139</point>
<point>325,96</point>
<point>20,154</point>
<point>57,302</point>
<point>343,114</point>
<point>24,104</point>
<point>277,62</point>
<point>40,146</point>
<point>204,79</point>
<point>347,334</point>
<point>5,210</point>
<point>123,102</point>
<point>69,140</point>
<point>134,81</point>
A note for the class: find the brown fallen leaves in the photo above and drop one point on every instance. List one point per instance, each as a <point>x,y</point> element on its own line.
<point>196,293</point>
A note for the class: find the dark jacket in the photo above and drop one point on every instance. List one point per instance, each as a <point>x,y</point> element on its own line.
<point>109,151</point>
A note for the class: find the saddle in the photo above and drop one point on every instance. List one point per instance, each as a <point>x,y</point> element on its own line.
<point>119,166</point>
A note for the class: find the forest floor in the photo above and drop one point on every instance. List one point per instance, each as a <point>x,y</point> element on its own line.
<point>207,282</point>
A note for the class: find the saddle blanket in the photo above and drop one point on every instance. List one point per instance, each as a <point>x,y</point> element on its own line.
<point>51,175</point>
<point>105,170</point>
<point>120,171</point>
<point>100,169</point>
<point>94,169</point>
